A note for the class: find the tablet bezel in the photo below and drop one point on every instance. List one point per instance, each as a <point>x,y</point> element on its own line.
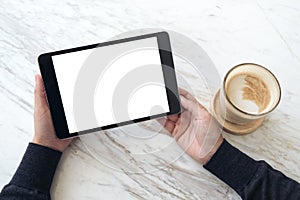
<point>54,97</point>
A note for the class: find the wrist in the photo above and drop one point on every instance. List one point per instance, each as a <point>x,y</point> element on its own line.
<point>207,158</point>
<point>41,142</point>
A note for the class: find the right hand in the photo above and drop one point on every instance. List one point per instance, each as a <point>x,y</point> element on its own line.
<point>194,129</point>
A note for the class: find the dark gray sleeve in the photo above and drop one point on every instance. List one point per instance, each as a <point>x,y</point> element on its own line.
<point>249,178</point>
<point>34,175</point>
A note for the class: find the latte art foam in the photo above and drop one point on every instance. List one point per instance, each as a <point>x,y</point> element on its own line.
<point>249,93</point>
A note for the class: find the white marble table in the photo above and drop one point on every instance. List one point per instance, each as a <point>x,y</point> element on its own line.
<point>265,32</point>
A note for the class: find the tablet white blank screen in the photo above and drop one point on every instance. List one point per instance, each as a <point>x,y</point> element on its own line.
<point>112,64</point>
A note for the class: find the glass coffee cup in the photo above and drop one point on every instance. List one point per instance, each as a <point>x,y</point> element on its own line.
<point>249,92</point>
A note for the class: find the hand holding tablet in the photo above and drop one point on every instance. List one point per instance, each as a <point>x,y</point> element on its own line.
<point>111,84</point>
<point>44,133</point>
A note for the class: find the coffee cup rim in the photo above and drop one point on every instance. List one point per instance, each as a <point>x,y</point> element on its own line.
<point>251,114</point>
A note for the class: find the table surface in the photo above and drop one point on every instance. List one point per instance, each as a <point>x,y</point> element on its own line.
<point>232,32</point>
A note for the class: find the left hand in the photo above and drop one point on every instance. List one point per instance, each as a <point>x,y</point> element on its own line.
<point>44,133</point>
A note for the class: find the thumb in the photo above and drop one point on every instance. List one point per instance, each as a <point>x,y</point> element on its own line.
<point>185,103</point>
<point>39,92</point>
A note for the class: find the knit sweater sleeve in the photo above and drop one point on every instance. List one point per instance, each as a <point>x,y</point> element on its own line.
<point>34,175</point>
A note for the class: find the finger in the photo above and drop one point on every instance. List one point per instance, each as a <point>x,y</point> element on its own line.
<point>185,103</point>
<point>173,118</point>
<point>182,91</point>
<point>183,123</point>
<point>179,129</point>
<point>39,93</point>
<point>167,124</point>
<point>162,121</point>
<point>187,95</point>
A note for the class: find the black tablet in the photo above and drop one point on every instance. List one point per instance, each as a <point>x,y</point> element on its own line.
<point>110,84</point>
